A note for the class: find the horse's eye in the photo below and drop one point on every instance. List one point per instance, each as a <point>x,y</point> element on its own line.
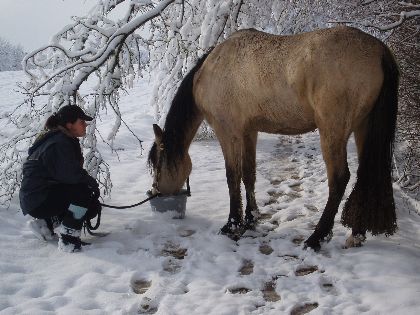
<point>161,147</point>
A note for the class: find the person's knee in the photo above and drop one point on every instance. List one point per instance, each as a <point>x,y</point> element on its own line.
<point>77,211</point>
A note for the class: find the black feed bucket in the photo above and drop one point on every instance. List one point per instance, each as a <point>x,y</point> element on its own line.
<point>176,203</point>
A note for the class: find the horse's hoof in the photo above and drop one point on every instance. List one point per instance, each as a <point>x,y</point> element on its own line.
<point>315,245</point>
<point>233,230</point>
<point>328,238</point>
<point>314,241</point>
<point>355,241</point>
<point>250,223</point>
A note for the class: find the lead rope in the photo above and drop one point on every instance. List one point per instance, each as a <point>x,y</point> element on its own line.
<point>87,225</point>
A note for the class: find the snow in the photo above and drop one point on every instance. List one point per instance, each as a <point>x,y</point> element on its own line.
<point>151,263</point>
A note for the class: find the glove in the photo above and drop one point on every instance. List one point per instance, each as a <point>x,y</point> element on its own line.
<point>94,187</point>
<point>93,210</point>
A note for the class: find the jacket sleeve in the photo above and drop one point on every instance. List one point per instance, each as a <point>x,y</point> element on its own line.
<point>63,165</point>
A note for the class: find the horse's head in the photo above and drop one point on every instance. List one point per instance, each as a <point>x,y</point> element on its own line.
<point>169,162</point>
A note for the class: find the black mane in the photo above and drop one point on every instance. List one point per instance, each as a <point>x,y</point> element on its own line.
<point>178,121</point>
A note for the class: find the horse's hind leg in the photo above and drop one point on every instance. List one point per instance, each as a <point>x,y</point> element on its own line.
<point>335,157</point>
<point>248,177</point>
<point>358,233</point>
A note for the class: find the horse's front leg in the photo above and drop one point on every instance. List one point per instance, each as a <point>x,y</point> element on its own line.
<point>335,156</point>
<point>248,177</point>
<point>232,152</point>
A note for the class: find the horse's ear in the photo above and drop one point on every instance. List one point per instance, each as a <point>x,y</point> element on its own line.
<point>158,133</point>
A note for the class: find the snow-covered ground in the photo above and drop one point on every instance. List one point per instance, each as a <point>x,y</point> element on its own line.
<point>153,264</point>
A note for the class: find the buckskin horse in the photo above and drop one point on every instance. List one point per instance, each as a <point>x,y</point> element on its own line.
<point>339,80</point>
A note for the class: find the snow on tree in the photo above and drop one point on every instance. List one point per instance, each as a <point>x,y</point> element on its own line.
<point>391,14</point>
<point>93,46</point>
<point>11,56</point>
<point>163,37</point>
<point>397,23</point>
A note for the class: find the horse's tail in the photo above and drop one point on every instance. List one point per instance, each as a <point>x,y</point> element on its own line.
<point>370,206</point>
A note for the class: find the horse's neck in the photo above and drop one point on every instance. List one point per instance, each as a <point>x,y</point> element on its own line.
<point>180,131</point>
<point>184,132</point>
<point>184,117</point>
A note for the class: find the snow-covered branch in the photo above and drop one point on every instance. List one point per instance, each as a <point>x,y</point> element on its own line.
<point>403,16</point>
<point>87,63</point>
<point>10,56</point>
<point>394,11</point>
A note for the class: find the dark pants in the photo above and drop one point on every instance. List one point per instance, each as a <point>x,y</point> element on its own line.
<point>58,203</point>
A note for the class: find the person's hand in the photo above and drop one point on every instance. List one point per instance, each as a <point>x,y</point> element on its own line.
<point>94,187</point>
<point>94,209</point>
<point>96,192</point>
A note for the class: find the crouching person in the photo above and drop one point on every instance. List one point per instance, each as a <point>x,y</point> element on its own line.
<point>55,190</point>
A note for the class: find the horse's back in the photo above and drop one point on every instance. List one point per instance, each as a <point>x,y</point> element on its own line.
<point>290,84</point>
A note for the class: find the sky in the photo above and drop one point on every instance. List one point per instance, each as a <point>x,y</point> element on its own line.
<point>31,23</point>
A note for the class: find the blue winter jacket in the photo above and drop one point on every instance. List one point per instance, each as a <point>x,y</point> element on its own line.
<point>54,158</point>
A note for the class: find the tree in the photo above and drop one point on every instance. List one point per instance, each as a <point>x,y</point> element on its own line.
<point>405,44</point>
<point>10,56</point>
<point>397,23</point>
<point>393,13</point>
<point>93,46</point>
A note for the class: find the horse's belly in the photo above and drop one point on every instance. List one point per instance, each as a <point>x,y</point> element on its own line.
<point>293,127</point>
<point>281,117</point>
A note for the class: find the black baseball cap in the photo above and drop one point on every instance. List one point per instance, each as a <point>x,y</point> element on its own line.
<point>70,113</point>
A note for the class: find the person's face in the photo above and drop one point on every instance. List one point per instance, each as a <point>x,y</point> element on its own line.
<point>78,128</point>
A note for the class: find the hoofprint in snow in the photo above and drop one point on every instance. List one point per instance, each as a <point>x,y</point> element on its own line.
<point>153,264</point>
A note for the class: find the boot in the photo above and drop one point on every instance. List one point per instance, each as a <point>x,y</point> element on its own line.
<point>54,221</point>
<point>42,230</point>
<point>69,240</point>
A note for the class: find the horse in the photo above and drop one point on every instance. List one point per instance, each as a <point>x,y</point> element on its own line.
<point>339,80</point>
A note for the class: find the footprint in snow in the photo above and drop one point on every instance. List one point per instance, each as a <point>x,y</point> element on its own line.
<point>185,232</point>
<point>276,181</point>
<point>294,216</point>
<point>274,196</point>
<point>247,267</point>
<point>174,254</point>
<point>289,257</point>
<point>174,250</point>
<point>292,195</point>
<point>303,308</point>
<point>327,285</point>
<point>311,208</point>
<point>238,290</point>
<point>266,249</point>
<point>297,240</point>
<point>269,292</point>
<point>171,265</point>
<point>140,286</point>
<point>305,270</point>
<point>263,217</point>
<point>147,307</point>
